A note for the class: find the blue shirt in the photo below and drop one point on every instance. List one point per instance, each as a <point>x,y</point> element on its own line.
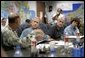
<point>26,32</point>
<point>44,27</point>
<point>70,30</point>
<point>22,27</point>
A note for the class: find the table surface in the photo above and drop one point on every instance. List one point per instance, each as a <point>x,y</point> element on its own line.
<point>27,52</point>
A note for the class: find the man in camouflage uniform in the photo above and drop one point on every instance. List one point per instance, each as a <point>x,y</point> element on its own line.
<point>10,37</point>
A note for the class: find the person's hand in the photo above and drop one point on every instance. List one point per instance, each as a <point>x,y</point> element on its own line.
<point>77,34</point>
<point>66,38</point>
<point>50,39</point>
<point>20,41</point>
<point>78,37</point>
<point>25,42</point>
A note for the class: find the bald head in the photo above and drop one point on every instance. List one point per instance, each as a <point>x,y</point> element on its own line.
<point>14,20</point>
<point>13,17</point>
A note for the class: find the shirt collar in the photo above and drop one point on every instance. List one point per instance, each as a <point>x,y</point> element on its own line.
<point>58,28</point>
<point>72,27</point>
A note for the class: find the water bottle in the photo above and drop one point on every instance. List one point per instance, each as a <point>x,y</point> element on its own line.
<point>66,41</point>
<point>18,52</point>
<point>82,51</point>
<point>33,46</point>
<point>76,52</point>
<point>53,52</point>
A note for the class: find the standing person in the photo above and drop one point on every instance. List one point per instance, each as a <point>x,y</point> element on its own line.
<point>58,14</point>
<point>10,38</point>
<point>49,15</point>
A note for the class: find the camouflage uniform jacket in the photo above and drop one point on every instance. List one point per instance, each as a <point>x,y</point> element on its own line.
<point>10,38</point>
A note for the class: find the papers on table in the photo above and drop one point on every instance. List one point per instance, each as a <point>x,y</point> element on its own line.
<point>75,36</point>
<point>41,46</point>
<point>54,44</point>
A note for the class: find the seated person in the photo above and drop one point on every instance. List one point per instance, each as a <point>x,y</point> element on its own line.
<point>40,35</point>
<point>43,25</point>
<point>72,29</point>
<point>34,25</point>
<point>34,28</point>
<point>56,31</point>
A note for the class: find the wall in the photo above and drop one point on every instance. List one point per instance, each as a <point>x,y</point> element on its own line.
<point>49,3</point>
<point>70,8</point>
<point>40,9</point>
<point>64,5</point>
<point>26,9</point>
<point>32,6</point>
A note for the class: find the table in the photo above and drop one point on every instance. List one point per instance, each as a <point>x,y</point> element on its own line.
<point>61,50</point>
<point>25,52</point>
